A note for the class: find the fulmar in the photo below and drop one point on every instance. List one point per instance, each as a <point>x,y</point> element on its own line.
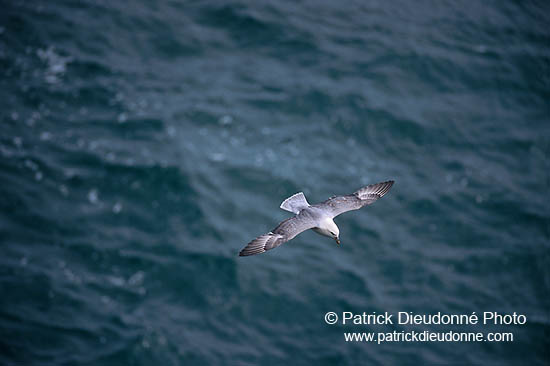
<point>318,217</point>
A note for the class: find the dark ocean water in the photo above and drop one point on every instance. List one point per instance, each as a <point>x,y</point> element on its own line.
<point>144,143</point>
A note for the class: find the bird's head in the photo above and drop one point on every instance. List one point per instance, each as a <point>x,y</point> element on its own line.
<point>333,231</point>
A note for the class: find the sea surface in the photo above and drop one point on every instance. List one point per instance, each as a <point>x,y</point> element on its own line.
<point>144,143</point>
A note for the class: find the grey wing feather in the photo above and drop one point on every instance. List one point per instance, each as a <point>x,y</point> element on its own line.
<point>284,232</point>
<point>362,197</point>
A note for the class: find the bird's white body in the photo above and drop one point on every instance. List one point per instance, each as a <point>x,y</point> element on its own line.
<point>326,226</point>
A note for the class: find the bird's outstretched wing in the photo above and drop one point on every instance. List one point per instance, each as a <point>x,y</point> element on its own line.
<point>286,231</point>
<point>334,206</point>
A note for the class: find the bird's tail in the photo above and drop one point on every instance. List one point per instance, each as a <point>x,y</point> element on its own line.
<point>295,203</point>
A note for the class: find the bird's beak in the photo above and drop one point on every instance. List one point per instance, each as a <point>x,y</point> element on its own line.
<point>337,241</point>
